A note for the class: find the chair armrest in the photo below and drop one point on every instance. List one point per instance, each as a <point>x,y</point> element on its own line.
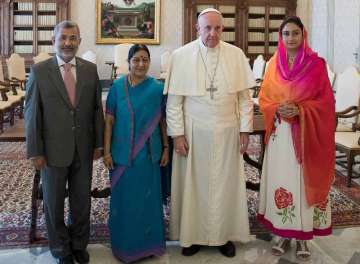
<point>21,82</point>
<point>5,84</point>
<point>13,81</point>
<point>347,110</point>
<point>345,114</point>
<point>3,92</point>
<point>18,80</point>
<point>13,84</point>
<point>355,113</point>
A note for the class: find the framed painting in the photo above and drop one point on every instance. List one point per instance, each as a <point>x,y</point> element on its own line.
<point>127,21</point>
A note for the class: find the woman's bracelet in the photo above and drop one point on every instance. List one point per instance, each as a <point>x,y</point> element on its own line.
<point>165,146</point>
<point>107,155</point>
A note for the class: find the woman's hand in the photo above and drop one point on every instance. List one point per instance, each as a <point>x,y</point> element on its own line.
<point>288,110</point>
<point>108,162</point>
<point>164,157</point>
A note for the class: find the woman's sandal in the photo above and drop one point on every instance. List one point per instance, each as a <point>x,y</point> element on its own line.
<point>302,250</point>
<point>281,247</point>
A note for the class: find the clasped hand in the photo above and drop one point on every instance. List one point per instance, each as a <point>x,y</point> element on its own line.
<point>288,110</point>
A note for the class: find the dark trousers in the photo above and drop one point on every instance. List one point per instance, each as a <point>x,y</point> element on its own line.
<point>74,236</point>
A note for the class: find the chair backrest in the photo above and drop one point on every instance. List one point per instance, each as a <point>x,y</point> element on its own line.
<point>89,56</point>
<point>16,67</point>
<point>347,91</point>
<point>41,57</point>
<point>331,75</point>
<point>120,58</point>
<point>259,67</point>
<point>164,64</point>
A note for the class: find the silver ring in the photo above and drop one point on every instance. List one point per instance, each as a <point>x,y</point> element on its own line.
<point>177,151</point>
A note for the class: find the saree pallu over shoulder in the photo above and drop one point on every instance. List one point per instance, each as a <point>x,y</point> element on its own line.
<point>137,118</point>
<point>308,86</point>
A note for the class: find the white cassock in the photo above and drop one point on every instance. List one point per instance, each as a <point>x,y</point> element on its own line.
<point>208,195</point>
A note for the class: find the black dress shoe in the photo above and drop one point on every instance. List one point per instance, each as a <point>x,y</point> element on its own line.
<point>81,256</point>
<point>189,251</point>
<point>228,250</point>
<point>66,260</point>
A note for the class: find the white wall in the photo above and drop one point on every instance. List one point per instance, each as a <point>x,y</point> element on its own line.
<point>84,13</point>
<point>346,33</point>
<point>303,10</point>
<point>319,30</point>
<point>335,31</point>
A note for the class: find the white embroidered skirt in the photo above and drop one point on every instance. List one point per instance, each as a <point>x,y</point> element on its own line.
<point>283,208</point>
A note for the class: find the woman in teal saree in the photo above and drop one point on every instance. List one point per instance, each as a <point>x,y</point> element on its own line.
<point>135,146</point>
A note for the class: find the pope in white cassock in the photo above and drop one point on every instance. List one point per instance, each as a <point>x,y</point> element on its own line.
<point>209,115</point>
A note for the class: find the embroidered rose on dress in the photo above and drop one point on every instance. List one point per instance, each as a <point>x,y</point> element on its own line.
<point>283,198</point>
<point>284,202</point>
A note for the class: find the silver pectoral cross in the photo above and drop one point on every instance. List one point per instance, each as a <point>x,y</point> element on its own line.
<point>211,89</point>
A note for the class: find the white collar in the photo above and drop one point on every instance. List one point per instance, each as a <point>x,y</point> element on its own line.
<point>61,62</point>
<point>206,49</point>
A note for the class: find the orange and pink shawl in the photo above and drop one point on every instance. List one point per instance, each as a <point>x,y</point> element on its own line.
<point>308,86</point>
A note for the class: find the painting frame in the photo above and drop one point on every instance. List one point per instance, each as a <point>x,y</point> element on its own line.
<point>128,21</point>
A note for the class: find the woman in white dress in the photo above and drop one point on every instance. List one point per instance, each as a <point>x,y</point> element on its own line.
<point>298,106</point>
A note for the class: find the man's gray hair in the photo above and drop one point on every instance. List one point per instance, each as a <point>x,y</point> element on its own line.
<point>66,24</point>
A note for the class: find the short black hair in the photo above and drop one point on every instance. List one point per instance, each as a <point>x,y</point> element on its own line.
<point>291,19</point>
<point>135,48</point>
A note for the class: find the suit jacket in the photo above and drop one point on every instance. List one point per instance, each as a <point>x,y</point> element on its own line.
<point>53,126</point>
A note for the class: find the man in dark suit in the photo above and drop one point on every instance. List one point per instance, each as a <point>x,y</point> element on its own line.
<point>64,133</point>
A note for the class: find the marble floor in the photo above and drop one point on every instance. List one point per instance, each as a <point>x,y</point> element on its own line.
<point>342,247</point>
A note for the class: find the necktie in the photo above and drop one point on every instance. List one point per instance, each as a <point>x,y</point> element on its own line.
<point>70,83</point>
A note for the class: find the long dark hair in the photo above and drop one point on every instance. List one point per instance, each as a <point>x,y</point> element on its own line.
<point>292,19</point>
